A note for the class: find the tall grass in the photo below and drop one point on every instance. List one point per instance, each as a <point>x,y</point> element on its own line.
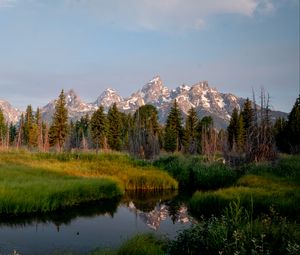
<point>236,232</point>
<point>192,173</point>
<point>265,185</point>
<point>25,190</point>
<point>41,182</point>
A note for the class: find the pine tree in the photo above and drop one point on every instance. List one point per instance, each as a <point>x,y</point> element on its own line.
<point>191,131</point>
<point>144,142</point>
<point>28,126</point>
<point>3,129</point>
<point>98,128</point>
<point>39,124</point>
<point>12,133</point>
<point>279,129</point>
<point>248,115</point>
<point>173,137</point>
<point>236,131</point>
<point>59,128</point>
<point>114,131</point>
<point>20,137</point>
<point>293,128</point>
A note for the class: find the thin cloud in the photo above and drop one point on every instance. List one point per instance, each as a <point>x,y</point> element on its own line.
<point>7,3</point>
<point>161,15</point>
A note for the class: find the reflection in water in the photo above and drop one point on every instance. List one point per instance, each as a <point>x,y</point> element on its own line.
<point>66,216</point>
<point>160,212</point>
<point>104,224</point>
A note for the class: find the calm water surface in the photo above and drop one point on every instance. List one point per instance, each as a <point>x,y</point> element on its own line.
<point>104,224</point>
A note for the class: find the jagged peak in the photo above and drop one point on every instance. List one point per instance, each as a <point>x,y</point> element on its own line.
<point>71,96</point>
<point>155,79</point>
<point>109,91</point>
<point>202,84</point>
<point>155,82</point>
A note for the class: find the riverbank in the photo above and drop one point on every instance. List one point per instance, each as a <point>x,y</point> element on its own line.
<point>43,182</point>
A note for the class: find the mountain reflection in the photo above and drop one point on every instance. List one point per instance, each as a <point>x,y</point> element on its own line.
<point>160,213</point>
<point>151,207</point>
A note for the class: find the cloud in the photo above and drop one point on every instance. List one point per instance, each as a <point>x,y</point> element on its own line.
<point>7,3</point>
<point>166,14</point>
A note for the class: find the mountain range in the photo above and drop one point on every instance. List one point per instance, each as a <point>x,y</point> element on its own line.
<point>206,101</point>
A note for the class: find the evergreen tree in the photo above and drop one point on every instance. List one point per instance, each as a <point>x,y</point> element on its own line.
<point>191,131</point>
<point>248,115</point>
<point>39,125</point>
<point>12,133</point>
<point>28,127</point>
<point>173,137</point>
<point>20,137</point>
<point>126,120</point>
<point>114,128</point>
<point>59,128</point>
<point>293,128</point>
<point>279,130</point>
<point>3,129</point>
<point>144,141</point>
<point>98,128</point>
<point>236,131</point>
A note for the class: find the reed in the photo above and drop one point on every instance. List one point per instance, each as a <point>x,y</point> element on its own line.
<point>42,182</point>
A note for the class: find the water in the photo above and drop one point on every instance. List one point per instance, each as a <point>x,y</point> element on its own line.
<point>102,225</point>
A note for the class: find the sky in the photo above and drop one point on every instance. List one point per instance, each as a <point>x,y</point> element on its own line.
<point>90,45</point>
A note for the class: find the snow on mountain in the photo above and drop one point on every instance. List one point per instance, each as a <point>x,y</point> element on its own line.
<point>206,101</point>
<point>76,107</point>
<point>107,98</point>
<point>10,113</point>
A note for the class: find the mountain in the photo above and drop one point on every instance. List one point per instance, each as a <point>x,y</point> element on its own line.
<point>107,98</point>
<point>76,107</point>
<point>10,113</point>
<point>205,99</point>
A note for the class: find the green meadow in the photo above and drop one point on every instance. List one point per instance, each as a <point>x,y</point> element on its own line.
<point>43,182</point>
<point>263,186</point>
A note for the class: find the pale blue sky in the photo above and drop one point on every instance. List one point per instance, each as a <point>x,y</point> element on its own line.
<point>89,45</point>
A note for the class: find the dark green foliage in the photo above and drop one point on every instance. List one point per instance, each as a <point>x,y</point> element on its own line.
<point>114,132</point>
<point>3,128</point>
<point>263,186</point>
<point>248,115</point>
<point>28,125</point>
<point>173,138</point>
<point>59,127</point>
<point>236,131</point>
<point>144,131</point>
<point>12,133</point>
<point>193,173</point>
<point>142,245</point>
<point>126,120</point>
<point>191,141</point>
<point>236,232</point>
<point>98,128</point>
<point>293,128</point>
<point>279,130</point>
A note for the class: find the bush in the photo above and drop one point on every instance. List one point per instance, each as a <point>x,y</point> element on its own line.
<point>237,233</point>
<point>193,173</point>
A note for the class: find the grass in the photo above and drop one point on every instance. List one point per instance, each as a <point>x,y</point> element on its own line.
<point>263,186</point>
<point>192,173</point>
<point>42,182</point>
<point>236,232</point>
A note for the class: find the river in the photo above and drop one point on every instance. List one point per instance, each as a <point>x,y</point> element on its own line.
<point>102,224</point>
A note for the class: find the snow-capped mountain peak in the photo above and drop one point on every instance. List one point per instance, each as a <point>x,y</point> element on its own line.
<point>154,91</point>
<point>10,113</point>
<point>107,98</point>
<point>206,101</point>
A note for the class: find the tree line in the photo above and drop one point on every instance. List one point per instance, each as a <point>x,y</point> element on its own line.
<point>250,136</point>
